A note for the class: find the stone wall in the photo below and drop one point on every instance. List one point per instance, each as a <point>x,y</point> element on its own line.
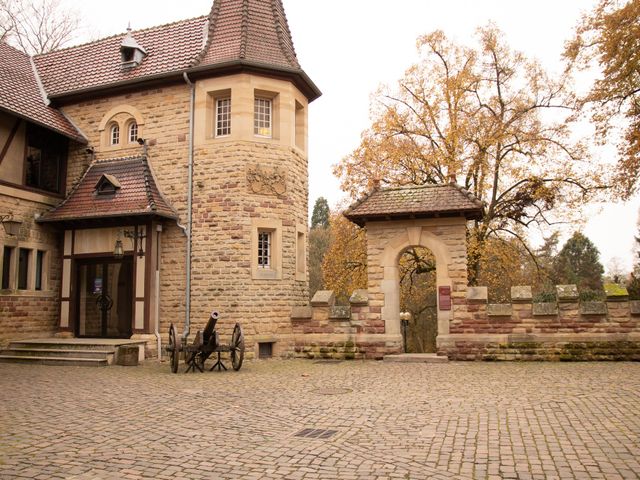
<point>324,330</point>
<point>29,313</point>
<point>566,330</point>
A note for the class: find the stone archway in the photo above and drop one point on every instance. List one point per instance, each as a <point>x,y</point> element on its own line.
<point>429,216</point>
<point>445,238</point>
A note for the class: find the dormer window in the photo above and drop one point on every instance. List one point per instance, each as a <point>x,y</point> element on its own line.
<point>131,52</point>
<point>114,136</point>
<point>133,132</point>
<point>107,185</point>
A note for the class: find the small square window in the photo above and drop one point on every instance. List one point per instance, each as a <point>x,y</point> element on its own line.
<point>262,117</point>
<point>265,349</point>
<point>223,116</point>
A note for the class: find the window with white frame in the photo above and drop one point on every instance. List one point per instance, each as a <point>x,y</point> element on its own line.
<point>133,132</point>
<point>264,249</point>
<point>114,138</point>
<point>262,116</point>
<point>223,116</point>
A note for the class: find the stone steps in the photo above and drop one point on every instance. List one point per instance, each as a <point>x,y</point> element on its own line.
<point>60,353</point>
<point>76,352</point>
<point>49,360</point>
<point>415,358</point>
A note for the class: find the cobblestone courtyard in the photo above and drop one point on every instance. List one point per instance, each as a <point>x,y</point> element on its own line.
<point>407,421</point>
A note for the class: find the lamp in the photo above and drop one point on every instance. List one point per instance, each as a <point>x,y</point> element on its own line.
<point>118,251</point>
<point>136,235</point>
<point>11,226</point>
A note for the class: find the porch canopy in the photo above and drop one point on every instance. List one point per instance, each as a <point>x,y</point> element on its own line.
<point>110,192</point>
<point>415,201</point>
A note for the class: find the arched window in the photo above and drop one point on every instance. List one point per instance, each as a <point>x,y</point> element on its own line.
<point>133,132</point>
<point>115,134</point>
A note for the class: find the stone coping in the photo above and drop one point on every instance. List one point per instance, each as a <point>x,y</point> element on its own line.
<point>452,338</point>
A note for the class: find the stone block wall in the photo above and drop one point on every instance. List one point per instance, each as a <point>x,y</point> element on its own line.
<point>523,330</point>
<point>566,330</point>
<point>323,330</point>
<point>29,313</point>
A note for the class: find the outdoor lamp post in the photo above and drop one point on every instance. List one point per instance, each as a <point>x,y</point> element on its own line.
<point>404,325</point>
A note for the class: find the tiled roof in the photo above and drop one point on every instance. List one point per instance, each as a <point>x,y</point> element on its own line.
<point>415,202</point>
<point>21,95</point>
<point>236,32</point>
<point>252,30</point>
<point>170,48</point>
<point>138,194</point>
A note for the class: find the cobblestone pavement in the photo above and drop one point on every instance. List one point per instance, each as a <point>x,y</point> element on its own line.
<point>380,421</point>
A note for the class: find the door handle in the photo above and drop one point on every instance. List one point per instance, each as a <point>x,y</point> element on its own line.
<point>104,302</point>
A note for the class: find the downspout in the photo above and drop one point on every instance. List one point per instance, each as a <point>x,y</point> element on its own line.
<point>187,230</point>
<point>157,330</point>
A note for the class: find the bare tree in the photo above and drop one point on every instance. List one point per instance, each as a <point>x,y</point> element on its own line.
<point>37,26</point>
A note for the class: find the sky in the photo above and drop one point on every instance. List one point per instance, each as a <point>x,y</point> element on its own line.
<point>351,47</point>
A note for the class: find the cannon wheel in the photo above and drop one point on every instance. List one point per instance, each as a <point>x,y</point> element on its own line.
<point>174,349</point>
<point>236,348</point>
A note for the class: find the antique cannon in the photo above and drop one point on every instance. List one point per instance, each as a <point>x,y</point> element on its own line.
<point>206,343</point>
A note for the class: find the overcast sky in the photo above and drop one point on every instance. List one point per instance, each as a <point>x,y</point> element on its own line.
<point>350,47</point>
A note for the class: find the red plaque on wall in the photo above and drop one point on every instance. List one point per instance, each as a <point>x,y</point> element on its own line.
<point>444,298</point>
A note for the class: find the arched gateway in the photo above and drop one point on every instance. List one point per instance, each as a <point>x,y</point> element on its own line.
<point>430,216</point>
<point>395,219</point>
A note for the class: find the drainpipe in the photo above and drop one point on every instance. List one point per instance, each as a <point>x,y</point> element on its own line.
<point>187,319</point>
<point>157,330</point>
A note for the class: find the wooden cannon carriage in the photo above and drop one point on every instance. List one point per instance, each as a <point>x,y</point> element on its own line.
<point>206,343</point>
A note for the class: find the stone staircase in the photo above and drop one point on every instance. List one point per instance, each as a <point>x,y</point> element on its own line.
<point>70,351</point>
<point>416,358</point>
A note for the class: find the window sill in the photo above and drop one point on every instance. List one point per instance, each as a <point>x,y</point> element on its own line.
<point>266,274</point>
<point>27,293</point>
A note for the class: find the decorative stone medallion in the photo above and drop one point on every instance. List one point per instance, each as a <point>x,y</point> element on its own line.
<point>266,181</point>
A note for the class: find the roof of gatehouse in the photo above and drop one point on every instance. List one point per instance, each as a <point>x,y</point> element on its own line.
<point>408,202</point>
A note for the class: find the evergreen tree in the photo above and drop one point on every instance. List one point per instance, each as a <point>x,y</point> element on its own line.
<point>319,240</point>
<point>320,215</point>
<point>579,263</point>
<point>633,284</point>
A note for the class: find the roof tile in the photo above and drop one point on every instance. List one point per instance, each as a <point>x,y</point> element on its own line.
<point>415,201</point>
<point>138,193</point>
<point>20,94</point>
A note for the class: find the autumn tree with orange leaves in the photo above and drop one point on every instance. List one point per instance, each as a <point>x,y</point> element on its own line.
<point>344,268</point>
<point>482,115</point>
<point>609,37</point>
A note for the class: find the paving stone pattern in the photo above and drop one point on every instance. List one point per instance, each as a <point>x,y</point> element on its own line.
<point>389,421</point>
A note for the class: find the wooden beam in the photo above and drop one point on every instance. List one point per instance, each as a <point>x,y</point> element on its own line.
<point>7,144</point>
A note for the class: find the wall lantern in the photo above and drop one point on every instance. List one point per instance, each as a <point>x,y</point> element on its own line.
<point>118,250</point>
<point>135,236</point>
<point>11,226</point>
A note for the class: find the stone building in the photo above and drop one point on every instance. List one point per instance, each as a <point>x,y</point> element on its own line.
<point>153,176</point>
